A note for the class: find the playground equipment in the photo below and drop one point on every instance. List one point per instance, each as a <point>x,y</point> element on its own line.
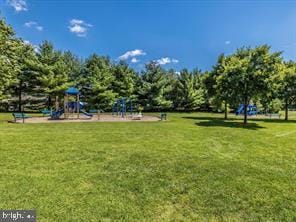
<point>251,110</point>
<point>71,107</point>
<point>121,106</point>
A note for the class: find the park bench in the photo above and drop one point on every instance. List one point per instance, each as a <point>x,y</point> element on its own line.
<point>163,116</point>
<point>20,116</point>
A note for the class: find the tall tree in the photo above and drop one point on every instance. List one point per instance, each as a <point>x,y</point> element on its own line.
<point>54,76</point>
<point>73,66</point>
<point>252,72</point>
<point>25,78</point>
<point>154,88</point>
<point>96,81</point>
<point>223,73</point>
<point>172,90</point>
<point>124,80</point>
<point>10,50</point>
<point>288,85</point>
<point>189,90</point>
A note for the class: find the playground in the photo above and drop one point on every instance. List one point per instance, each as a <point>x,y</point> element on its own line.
<point>73,110</point>
<point>94,118</point>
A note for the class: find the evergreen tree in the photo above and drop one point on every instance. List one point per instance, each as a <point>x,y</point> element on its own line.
<point>54,76</point>
<point>73,66</point>
<point>10,50</point>
<point>124,80</point>
<point>189,89</point>
<point>26,77</point>
<point>172,95</point>
<point>154,88</point>
<point>96,82</point>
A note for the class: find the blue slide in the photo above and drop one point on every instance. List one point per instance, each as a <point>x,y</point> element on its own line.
<point>87,114</point>
<point>73,105</point>
<point>57,114</point>
<point>240,109</point>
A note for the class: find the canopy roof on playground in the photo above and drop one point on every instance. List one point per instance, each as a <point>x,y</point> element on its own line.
<point>72,91</point>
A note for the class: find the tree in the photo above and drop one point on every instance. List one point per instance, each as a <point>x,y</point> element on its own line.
<point>154,88</point>
<point>288,85</point>
<point>25,78</point>
<point>189,90</point>
<point>208,81</point>
<point>53,76</point>
<point>172,90</point>
<point>73,66</point>
<point>9,53</point>
<point>124,80</point>
<point>252,72</point>
<point>222,74</point>
<point>96,81</point>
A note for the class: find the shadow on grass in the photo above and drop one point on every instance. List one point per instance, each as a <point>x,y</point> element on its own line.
<point>214,122</point>
<point>250,119</point>
<point>273,120</point>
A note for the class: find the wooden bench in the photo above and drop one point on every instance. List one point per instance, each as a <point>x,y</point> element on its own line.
<point>20,116</point>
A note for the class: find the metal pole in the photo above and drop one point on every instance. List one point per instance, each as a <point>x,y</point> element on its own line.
<point>118,108</point>
<point>78,106</point>
<point>123,107</point>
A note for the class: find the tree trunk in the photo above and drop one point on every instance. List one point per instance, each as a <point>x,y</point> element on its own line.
<point>57,103</point>
<point>49,102</point>
<point>245,110</point>
<point>225,110</point>
<point>20,97</point>
<point>286,109</point>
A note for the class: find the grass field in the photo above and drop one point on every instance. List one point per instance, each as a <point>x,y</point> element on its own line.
<point>194,167</point>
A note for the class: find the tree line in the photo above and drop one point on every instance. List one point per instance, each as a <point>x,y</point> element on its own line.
<point>34,79</point>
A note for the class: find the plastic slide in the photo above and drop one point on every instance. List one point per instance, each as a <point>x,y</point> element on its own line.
<point>87,114</point>
<point>57,114</point>
<point>240,109</point>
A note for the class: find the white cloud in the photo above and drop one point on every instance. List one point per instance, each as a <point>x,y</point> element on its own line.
<point>227,42</point>
<point>166,60</point>
<point>27,42</point>
<point>79,27</point>
<point>39,28</point>
<point>135,60</point>
<point>130,54</point>
<point>18,5</point>
<point>32,24</point>
<point>35,47</point>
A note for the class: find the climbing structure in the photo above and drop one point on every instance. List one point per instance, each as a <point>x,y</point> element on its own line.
<point>121,106</point>
<point>251,110</point>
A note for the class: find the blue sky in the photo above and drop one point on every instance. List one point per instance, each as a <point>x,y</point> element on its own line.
<point>177,34</point>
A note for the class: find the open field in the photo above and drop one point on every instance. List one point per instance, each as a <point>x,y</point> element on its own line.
<point>194,167</point>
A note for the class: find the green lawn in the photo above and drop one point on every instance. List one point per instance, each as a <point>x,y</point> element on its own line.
<point>194,167</point>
